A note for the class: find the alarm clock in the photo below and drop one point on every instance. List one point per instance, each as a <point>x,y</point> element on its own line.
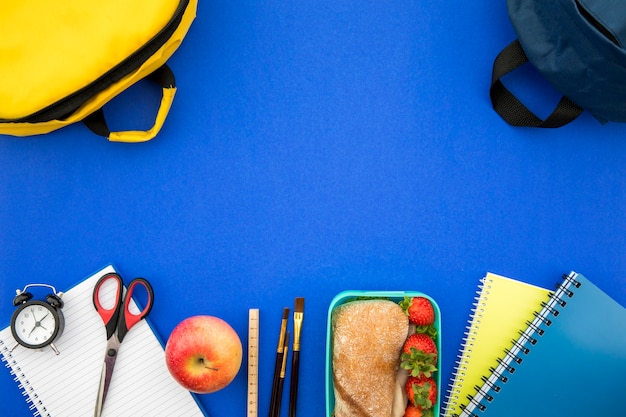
<point>37,323</point>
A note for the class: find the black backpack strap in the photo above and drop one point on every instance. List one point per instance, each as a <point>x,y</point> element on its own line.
<point>510,108</point>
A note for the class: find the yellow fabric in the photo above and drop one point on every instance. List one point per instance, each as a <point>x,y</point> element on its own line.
<point>141,135</point>
<point>50,49</point>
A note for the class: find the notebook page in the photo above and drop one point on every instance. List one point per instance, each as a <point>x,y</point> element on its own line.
<point>66,385</point>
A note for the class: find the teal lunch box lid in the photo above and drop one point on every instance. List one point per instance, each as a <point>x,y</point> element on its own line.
<point>396,296</point>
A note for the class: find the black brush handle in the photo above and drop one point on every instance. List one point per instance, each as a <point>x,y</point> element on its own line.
<point>293,390</point>
<point>275,382</point>
<point>279,396</point>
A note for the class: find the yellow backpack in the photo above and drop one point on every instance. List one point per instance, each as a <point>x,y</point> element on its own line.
<point>60,62</point>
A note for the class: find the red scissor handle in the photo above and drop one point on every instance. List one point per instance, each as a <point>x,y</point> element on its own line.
<point>114,317</point>
<point>128,319</point>
<point>110,316</point>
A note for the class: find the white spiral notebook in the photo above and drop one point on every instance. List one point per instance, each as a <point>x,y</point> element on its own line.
<point>66,385</point>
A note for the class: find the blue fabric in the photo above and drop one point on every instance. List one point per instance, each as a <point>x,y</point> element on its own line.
<point>578,45</point>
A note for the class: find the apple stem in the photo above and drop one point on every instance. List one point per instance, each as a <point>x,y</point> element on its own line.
<point>207,367</point>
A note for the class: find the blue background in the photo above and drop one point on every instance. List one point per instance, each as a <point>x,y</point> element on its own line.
<point>314,148</point>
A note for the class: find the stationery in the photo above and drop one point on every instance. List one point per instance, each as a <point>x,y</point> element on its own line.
<point>281,377</point>
<point>570,360</point>
<point>298,318</point>
<point>252,407</point>
<point>67,384</point>
<point>502,307</point>
<point>280,354</point>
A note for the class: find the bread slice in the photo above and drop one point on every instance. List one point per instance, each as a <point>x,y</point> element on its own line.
<point>367,340</point>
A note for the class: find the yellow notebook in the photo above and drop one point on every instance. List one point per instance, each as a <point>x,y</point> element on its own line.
<point>503,306</point>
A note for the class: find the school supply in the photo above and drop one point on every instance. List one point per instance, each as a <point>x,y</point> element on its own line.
<point>118,320</point>
<point>579,46</point>
<point>298,318</point>
<point>281,378</point>
<point>502,307</point>
<point>67,384</point>
<point>61,63</point>
<point>252,407</point>
<point>280,356</point>
<point>570,360</point>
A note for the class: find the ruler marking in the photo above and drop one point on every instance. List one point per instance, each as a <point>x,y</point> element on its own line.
<point>253,362</point>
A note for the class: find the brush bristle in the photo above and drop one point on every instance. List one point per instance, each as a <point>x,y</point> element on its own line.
<point>299,308</point>
<point>285,313</point>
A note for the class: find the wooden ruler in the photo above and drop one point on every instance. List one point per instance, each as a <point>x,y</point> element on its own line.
<point>253,362</point>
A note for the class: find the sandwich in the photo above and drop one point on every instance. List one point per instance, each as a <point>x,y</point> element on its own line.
<point>367,341</point>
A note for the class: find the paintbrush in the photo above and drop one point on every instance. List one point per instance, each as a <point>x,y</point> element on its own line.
<point>298,317</point>
<point>281,379</point>
<point>279,361</point>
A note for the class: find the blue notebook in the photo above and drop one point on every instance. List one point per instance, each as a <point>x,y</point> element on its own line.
<point>569,361</point>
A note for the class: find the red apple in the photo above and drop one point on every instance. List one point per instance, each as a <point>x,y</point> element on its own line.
<point>203,354</point>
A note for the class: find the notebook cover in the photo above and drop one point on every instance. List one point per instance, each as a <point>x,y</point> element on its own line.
<point>576,367</point>
<point>503,306</point>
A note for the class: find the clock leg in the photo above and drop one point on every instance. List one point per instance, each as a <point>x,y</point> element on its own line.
<point>54,348</point>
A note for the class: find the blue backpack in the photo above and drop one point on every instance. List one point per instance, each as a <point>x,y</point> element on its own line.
<point>579,46</point>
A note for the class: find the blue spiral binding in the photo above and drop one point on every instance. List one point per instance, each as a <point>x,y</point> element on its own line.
<point>30,396</point>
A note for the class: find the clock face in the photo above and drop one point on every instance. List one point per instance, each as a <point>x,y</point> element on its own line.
<point>35,324</point>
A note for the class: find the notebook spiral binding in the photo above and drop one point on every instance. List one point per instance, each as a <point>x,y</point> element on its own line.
<point>520,348</point>
<point>469,337</point>
<point>34,403</point>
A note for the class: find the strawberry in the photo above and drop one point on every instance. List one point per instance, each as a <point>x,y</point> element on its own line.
<point>413,411</point>
<point>423,342</point>
<point>419,355</point>
<point>419,310</point>
<point>421,391</point>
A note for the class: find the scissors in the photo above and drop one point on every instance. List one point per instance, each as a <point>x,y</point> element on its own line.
<point>118,320</point>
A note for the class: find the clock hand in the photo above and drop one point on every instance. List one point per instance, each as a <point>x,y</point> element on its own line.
<point>38,323</point>
<point>47,314</point>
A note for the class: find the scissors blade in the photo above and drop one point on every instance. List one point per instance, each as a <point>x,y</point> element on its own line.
<point>107,372</point>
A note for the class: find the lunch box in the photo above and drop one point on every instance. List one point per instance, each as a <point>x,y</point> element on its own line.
<point>395,296</point>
